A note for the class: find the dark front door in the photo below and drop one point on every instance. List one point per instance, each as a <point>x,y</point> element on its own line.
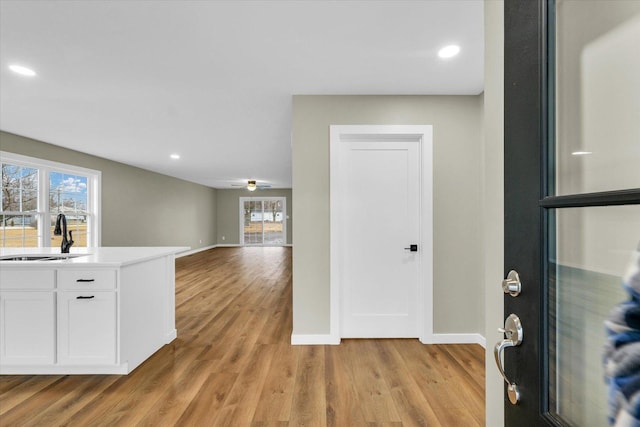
<point>572,205</point>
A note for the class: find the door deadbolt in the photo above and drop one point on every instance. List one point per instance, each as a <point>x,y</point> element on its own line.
<point>511,285</point>
<point>513,337</point>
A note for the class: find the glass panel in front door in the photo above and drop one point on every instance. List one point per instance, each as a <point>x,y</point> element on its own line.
<point>597,80</point>
<point>597,148</point>
<point>594,248</point>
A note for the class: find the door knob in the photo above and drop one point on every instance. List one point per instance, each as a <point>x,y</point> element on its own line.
<point>412,248</point>
<point>513,337</point>
<point>511,285</point>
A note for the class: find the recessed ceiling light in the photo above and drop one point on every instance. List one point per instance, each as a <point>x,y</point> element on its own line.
<point>580,153</point>
<point>175,156</point>
<point>19,69</point>
<point>449,51</point>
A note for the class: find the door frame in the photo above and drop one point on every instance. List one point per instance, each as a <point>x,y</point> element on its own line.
<point>423,134</point>
<point>271,199</point>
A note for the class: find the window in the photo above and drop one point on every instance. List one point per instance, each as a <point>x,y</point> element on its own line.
<point>263,221</point>
<point>36,191</point>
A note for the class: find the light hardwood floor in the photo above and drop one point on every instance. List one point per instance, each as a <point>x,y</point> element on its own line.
<point>232,365</point>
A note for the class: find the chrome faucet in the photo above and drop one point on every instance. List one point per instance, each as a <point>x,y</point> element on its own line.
<point>61,229</point>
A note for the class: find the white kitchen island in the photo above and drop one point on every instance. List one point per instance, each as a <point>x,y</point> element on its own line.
<point>101,311</point>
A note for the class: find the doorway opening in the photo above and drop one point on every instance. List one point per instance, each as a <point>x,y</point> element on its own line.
<point>263,221</point>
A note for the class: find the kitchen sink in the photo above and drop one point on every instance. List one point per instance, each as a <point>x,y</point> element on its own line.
<point>51,257</point>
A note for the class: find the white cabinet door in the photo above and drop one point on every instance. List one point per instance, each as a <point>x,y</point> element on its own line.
<point>27,328</point>
<point>86,328</point>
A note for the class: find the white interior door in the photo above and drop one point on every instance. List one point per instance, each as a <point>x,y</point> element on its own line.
<point>380,274</point>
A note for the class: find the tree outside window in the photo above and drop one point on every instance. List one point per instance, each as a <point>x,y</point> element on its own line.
<point>19,205</point>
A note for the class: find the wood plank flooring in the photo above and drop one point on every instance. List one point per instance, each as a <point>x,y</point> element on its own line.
<point>232,365</point>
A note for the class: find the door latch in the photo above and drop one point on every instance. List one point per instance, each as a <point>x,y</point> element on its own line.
<point>513,337</point>
<point>412,248</point>
<point>511,285</point>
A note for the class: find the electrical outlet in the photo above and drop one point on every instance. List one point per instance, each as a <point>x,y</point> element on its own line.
<point>200,240</point>
<point>223,238</point>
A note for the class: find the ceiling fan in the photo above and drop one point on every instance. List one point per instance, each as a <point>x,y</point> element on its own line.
<point>252,185</point>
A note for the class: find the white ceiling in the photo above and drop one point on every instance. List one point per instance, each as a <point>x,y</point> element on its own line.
<point>134,81</point>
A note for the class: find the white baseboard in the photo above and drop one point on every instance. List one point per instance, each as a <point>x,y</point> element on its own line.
<point>170,336</point>
<point>194,251</point>
<point>457,339</point>
<point>122,369</point>
<point>327,339</point>
<point>319,339</point>
<point>206,248</point>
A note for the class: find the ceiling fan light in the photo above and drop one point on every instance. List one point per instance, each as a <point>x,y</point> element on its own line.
<point>251,185</point>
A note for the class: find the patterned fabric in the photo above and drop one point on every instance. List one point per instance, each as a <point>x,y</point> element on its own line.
<point>622,353</point>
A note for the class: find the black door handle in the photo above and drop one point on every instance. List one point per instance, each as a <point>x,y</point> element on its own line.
<point>412,248</point>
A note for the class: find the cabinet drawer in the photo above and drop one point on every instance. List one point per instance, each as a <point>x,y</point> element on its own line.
<point>86,279</point>
<point>26,279</point>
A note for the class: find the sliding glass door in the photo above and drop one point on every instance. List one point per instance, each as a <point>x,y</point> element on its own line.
<point>263,221</point>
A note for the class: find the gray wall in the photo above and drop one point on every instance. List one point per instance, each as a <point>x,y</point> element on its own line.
<point>457,139</point>
<point>228,212</point>
<point>139,208</point>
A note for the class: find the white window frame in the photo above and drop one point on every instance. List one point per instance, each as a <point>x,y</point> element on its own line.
<point>266,199</point>
<point>43,214</point>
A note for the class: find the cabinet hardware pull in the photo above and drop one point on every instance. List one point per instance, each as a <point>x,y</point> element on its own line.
<point>85,280</point>
<point>81,297</point>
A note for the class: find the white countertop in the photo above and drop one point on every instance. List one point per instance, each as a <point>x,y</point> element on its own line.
<point>89,257</point>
